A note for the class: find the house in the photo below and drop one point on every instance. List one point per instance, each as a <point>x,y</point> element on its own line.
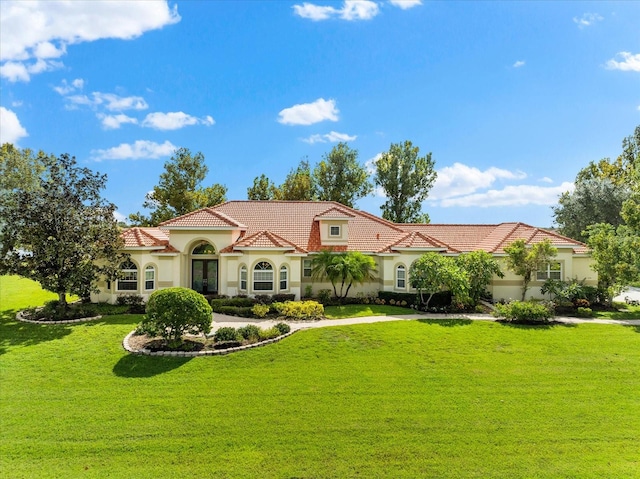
<point>266,247</point>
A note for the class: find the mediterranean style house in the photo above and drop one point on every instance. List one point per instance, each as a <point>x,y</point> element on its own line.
<point>266,247</point>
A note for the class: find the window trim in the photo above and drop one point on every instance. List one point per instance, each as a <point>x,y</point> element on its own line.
<point>307,272</point>
<point>402,268</point>
<point>331,229</point>
<point>547,271</point>
<point>125,268</point>
<point>284,269</point>
<point>243,278</point>
<point>150,268</point>
<point>263,281</point>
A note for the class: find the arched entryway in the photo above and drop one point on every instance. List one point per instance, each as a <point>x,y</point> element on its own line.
<point>204,269</point>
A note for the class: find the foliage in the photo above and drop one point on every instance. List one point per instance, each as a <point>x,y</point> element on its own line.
<point>238,302</point>
<point>284,328</point>
<point>597,200</point>
<point>406,179</point>
<point>345,268</point>
<point>269,333</point>
<point>339,177</point>
<point>174,312</point>
<point>615,254</point>
<point>525,261</point>
<point>300,309</point>
<point>525,311</point>
<point>134,303</point>
<point>260,310</point>
<point>62,234</point>
<point>480,267</point>
<point>226,333</point>
<point>324,296</point>
<point>298,185</point>
<point>179,192</point>
<point>263,189</point>
<point>433,273</point>
<point>20,169</point>
<point>584,312</point>
<point>250,332</point>
<point>572,290</point>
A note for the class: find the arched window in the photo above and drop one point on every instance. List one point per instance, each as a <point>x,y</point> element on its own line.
<point>284,278</point>
<point>149,278</point>
<point>263,276</point>
<point>401,277</point>
<point>128,280</point>
<point>204,248</point>
<point>243,278</point>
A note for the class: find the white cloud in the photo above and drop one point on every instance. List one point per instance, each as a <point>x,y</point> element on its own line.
<point>309,113</point>
<point>629,62</point>
<point>519,195</point>
<point>141,149</point>
<point>108,101</point>
<point>18,103</point>
<point>113,122</point>
<point>638,107</point>
<point>459,180</point>
<point>331,137</point>
<point>174,120</point>
<point>587,19</point>
<point>546,179</point>
<point>32,33</point>
<point>350,10</point>
<point>519,63</point>
<point>65,88</point>
<point>120,217</point>
<point>405,4</point>
<point>10,128</point>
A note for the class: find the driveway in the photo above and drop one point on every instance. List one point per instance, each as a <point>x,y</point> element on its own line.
<point>630,292</point>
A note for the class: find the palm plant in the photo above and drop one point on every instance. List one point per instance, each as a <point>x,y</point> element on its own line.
<point>345,268</point>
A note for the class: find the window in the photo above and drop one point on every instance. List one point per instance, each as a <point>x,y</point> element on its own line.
<point>243,278</point>
<point>204,248</point>
<point>550,271</point>
<point>334,231</point>
<point>401,277</point>
<point>128,280</point>
<point>263,277</point>
<point>149,278</point>
<point>306,268</point>
<point>284,273</point>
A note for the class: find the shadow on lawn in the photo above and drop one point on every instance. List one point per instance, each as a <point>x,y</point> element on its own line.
<point>447,322</point>
<point>537,325</point>
<point>18,333</point>
<point>134,366</point>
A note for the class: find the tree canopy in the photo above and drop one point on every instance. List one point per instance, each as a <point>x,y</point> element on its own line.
<point>299,184</point>
<point>19,168</point>
<point>339,177</point>
<point>344,268</point>
<point>406,179</point>
<point>62,234</point>
<point>481,268</point>
<point>263,189</point>
<point>525,261</point>
<point>178,191</point>
<point>433,273</point>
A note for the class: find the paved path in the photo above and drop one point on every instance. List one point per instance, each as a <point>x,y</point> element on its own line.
<point>220,320</point>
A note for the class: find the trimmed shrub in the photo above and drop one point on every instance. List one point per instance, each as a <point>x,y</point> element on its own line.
<point>225,334</point>
<point>524,311</point>
<point>324,296</point>
<point>269,333</point>
<point>582,303</point>
<point>284,328</point>
<point>173,312</point>
<point>250,332</point>
<point>263,299</point>
<point>134,303</point>
<point>282,297</point>
<point>237,302</point>
<point>260,310</point>
<point>300,309</point>
<point>584,312</point>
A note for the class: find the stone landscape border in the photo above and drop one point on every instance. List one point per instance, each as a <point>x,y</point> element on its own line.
<point>20,317</point>
<point>193,354</point>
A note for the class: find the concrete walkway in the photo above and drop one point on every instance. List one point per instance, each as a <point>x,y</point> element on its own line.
<point>221,320</point>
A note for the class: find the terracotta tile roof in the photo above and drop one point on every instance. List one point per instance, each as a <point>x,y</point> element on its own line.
<point>294,224</point>
<point>204,218</point>
<point>263,240</point>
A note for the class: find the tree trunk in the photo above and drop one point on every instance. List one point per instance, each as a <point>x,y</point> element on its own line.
<point>62,300</point>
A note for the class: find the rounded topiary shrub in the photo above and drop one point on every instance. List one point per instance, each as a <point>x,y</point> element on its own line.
<point>174,312</point>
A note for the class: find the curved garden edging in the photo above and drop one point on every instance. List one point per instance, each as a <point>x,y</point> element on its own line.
<point>191,354</point>
<point>20,317</point>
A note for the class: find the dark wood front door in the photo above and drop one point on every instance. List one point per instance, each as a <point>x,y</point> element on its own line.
<point>204,275</point>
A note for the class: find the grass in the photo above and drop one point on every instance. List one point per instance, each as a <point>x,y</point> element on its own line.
<point>625,311</point>
<point>19,293</point>
<point>360,310</point>
<point>406,399</point>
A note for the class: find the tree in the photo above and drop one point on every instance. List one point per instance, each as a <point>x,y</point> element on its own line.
<point>433,273</point>
<point>263,189</point>
<point>298,185</point>
<point>345,268</point>
<point>339,177</point>
<point>525,261</point>
<point>480,267</point>
<point>178,191</point>
<point>406,179</point>
<point>616,258</point>
<point>596,200</point>
<point>19,169</point>
<point>62,234</point>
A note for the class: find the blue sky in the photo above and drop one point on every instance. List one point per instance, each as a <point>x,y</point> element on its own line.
<point>511,98</point>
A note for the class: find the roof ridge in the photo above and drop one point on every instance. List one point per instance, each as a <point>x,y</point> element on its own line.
<point>505,237</point>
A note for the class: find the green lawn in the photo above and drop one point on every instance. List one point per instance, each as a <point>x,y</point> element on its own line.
<point>406,399</point>
<point>19,293</point>
<point>360,310</point>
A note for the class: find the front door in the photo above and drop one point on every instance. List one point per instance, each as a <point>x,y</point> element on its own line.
<point>204,275</point>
